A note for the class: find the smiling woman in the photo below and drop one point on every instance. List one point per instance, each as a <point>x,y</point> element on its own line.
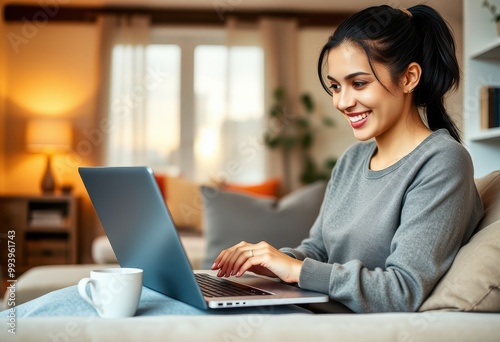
<point>394,59</point>
<point>400,203</point>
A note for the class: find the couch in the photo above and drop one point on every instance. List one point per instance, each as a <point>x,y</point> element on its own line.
<point>464,306</point>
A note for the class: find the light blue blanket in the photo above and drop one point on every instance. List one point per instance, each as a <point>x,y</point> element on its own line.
<point>67,302</point>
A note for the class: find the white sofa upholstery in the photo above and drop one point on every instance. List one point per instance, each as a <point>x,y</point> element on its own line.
<point>397,327</point>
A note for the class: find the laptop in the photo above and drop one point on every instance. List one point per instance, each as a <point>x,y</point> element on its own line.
<point>142,234</point>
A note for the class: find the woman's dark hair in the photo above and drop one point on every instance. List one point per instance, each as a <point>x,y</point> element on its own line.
<point>396,38</point>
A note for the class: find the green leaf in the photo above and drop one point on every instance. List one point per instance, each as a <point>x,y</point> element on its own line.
<point>289,142</point>
<point>279,94</point>
<point>302,122</point>
<point>327,121</point>
<point>309,171</point>
<point>330,163</point>
<point>307,140</point>
<point>271,142</point>
<point>308,103</point>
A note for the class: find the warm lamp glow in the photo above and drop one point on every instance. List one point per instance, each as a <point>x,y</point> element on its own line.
<point>49,136</point>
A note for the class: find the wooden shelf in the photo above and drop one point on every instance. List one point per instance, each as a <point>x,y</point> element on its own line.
<point>481,68</point>
<point>492,134</point>
<point>44,243</point>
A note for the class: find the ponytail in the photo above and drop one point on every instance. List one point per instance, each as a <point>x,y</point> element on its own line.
<point>440,70</point>
<point>396,38</point>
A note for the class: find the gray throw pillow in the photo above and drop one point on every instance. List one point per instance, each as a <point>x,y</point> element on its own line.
<point>231,217</point>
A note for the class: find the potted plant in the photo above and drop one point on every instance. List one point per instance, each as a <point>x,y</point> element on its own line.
<point>495,15</point>
<point>297,135</point>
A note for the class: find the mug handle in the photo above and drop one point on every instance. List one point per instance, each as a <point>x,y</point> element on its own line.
<point>82,285</point>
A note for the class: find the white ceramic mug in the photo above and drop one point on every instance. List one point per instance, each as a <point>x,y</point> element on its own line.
<point>115,292</point>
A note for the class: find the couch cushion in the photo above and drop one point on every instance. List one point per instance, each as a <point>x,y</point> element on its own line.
<point>473,281</point>
<point>184,202</point>
<point>231,217</point>
<point>186,205</point>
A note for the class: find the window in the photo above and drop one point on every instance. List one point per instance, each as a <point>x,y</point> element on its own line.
<point>144,106</point>
<point>197,118</point>
<point>229,108</point>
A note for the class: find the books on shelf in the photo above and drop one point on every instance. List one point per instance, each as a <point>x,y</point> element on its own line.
<point>47,218</point>
<point>490,106</point>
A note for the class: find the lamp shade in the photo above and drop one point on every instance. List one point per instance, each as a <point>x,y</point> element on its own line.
<point>48,136</point>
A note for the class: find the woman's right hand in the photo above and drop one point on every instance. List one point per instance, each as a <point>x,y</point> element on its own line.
<point>260,258</point>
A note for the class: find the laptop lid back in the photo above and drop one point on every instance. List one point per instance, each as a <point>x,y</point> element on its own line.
<point>140,229</point>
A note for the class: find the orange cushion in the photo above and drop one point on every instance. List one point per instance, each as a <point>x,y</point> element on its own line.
<point>268,188</point>
<point>184,202</point>
<point>161,179</point>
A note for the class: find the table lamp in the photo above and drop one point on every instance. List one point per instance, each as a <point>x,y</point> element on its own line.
<point>48,136</point>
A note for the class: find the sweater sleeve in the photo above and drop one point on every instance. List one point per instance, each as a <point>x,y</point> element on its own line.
<point>440,210</point>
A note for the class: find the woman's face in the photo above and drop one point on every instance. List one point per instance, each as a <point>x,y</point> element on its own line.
<point>371,110</point>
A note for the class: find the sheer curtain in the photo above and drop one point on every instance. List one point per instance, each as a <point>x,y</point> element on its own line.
<point>230,112</point>
<point>128,94</point>
<point>124,89</point>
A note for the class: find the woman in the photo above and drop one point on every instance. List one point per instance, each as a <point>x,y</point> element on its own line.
<point>398,207</point>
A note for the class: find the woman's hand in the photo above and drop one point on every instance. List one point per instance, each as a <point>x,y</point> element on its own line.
<point>261,258</point>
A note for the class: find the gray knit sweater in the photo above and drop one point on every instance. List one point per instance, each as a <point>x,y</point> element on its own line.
<point>383,239</point>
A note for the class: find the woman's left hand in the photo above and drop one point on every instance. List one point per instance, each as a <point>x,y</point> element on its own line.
<point>260,258</point>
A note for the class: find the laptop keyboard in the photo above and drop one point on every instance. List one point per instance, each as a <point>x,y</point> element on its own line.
<point>218,287</point>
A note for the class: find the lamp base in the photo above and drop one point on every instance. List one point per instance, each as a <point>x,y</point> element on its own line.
<point>48,184</point>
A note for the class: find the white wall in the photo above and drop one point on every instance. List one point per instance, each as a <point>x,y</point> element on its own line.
<point>51,74</point>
